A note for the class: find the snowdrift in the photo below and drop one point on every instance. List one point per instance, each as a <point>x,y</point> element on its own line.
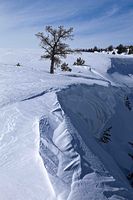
<point>123,66</point>
<point>79,159</point>
<point>51,129</point>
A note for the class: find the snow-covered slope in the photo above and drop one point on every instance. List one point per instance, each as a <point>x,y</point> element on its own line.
<point>51,128</point>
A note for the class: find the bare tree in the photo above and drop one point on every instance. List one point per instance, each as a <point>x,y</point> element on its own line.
<point>52,43</point>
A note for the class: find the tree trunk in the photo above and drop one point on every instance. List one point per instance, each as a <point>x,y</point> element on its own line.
<point>52,61</point>
<point>52,66</point>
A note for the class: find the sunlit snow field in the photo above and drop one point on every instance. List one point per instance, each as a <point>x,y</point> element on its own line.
<point>51,125</point>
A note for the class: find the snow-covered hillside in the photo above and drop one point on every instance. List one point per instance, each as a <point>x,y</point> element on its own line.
<point>52,126</point>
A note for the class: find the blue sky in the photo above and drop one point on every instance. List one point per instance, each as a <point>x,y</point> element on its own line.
<point>95,22</point>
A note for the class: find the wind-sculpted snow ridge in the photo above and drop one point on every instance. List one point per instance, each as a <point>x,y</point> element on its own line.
<point>78,164</point>
<point>123,66</point>
<point>52,126</point>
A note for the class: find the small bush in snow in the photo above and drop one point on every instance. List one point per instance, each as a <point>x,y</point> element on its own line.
<point>106,135</point>
<point>130,178</point>
<point>18,65</point>
<point>128,103</point>
<point>131,143</point>
<point>130,155</point>
<point>130,175</point>
<point>65,67</point>
<point>79,61</point>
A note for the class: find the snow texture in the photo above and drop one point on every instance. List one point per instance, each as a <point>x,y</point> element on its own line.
<point>51,128</point>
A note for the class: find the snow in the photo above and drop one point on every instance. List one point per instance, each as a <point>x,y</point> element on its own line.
<point>122,66</point>
<point>51,127</point>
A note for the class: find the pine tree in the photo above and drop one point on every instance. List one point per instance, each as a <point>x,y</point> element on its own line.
<point>130,175</point>
<point>79,61</point>
<point>65,67</point>
<point>128,103</point>
<point>18,65</point>
<point>106,135</point>
<point>121,49</point>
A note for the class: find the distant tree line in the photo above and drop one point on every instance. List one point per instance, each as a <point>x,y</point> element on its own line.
<point>128,49</point>
<point>53,42</point>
